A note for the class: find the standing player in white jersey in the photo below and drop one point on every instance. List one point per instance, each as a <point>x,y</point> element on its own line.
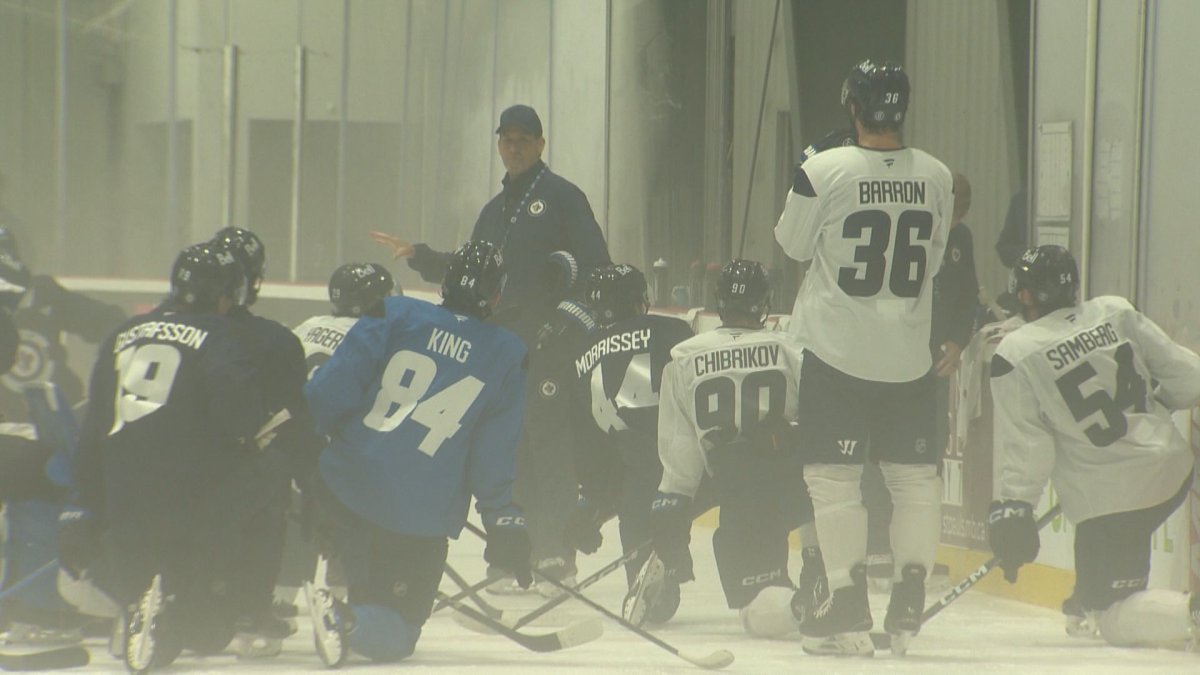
<point>873,220</point>
<point>1083,394</point>
<point>726,407</point>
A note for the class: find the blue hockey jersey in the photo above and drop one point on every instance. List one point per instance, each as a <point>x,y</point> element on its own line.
<point>424,408</point>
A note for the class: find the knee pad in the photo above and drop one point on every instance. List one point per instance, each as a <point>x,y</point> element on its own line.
<point>769,614</point>
<point>840,517</point>
<point>747,562</point>
<point>916,517</point>
<point>381,634</point>
<point>1153,618</point>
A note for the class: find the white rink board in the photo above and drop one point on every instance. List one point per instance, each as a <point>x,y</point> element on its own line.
<point>977,634</point>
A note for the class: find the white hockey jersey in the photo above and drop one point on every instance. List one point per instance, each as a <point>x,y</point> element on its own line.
<point>320,335</point>
<point>719,378</point>
<point>874,223</point>
<point>1072,401</point>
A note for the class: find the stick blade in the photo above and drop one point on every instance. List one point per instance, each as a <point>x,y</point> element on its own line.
<point>581,632</point>
<point>714,661</point>
<point>72,656</point>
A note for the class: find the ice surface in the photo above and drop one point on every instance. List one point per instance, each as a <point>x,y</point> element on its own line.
<point>977,634</point>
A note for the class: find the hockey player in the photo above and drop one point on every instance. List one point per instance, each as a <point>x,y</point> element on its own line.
<point>356,290</point>
<point>424,410</point>
<point>873,220</point>
<point>280,361</point>
<point>1083,394</point>
<point>166,464</point>
<point>727,403</point>
<point>618,372</point>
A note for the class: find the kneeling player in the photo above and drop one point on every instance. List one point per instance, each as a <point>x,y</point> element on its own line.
<point>618,372</point>
<point>727,409</point>
<point>423,409</point>
<point>167,467</point>
<point>1073,403</point>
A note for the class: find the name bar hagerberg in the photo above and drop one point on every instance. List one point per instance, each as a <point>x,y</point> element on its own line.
<point>891,192</point>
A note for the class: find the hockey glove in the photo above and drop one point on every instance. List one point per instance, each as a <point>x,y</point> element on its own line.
<point>508,546</point>
<point>671,527</point>
<point>583,527</point>
<point>833,139</point>
<point>1013,535</point>
<point>79,540</point>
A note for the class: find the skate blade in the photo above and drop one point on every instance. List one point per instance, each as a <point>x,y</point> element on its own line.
<point>844,645</point>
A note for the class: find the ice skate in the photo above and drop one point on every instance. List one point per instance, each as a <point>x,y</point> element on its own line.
<point>146,645</point>
<point>330,619</point>
<point>505,583</point>
<point>1080,623</point>
<point>906,608</point>
<point>559,570</point>
<point>261,636</point>
<point>654,595</point>
<point>836,624</point>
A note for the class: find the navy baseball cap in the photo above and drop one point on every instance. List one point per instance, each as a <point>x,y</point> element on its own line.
<point>523,117</point>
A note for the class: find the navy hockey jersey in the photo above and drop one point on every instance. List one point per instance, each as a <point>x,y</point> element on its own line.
<point>618,376</point>
<point>174,408</point>
<point>424,409</point>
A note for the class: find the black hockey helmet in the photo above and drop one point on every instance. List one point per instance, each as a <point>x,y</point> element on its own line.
<point>743,290</point>
<point>1051,273</point>
<point>203,274</point>
<point>616,292</point>
<point>879,92</point>
<point>359,288</point>
<point>474,277</point>
<point>250,252</point>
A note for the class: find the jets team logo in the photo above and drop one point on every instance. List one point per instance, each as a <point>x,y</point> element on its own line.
<point>537,207</point>
<point>956,254</point>
<point>921,446</point>
<point>549,388</point>
<point>400,589</point>
<point>33,362</point>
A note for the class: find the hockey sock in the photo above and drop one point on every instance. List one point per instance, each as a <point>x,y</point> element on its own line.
<point>916,519</point>
<point>841,519</point>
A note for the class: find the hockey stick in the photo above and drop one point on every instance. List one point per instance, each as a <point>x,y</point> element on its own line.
<point>571,636</point>
<point>29,579</point>
<point>483,605</point>
<point>717,659</point>
<point>473,589</point>
<point>588,581</point>
<point>884,640</point>
<point>593,578</point>
<point>42,658</point>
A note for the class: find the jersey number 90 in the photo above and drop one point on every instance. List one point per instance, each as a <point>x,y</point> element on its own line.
<point>718,400</point>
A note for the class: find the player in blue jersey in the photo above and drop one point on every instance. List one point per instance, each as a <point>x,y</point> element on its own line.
<point>423,407</point>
